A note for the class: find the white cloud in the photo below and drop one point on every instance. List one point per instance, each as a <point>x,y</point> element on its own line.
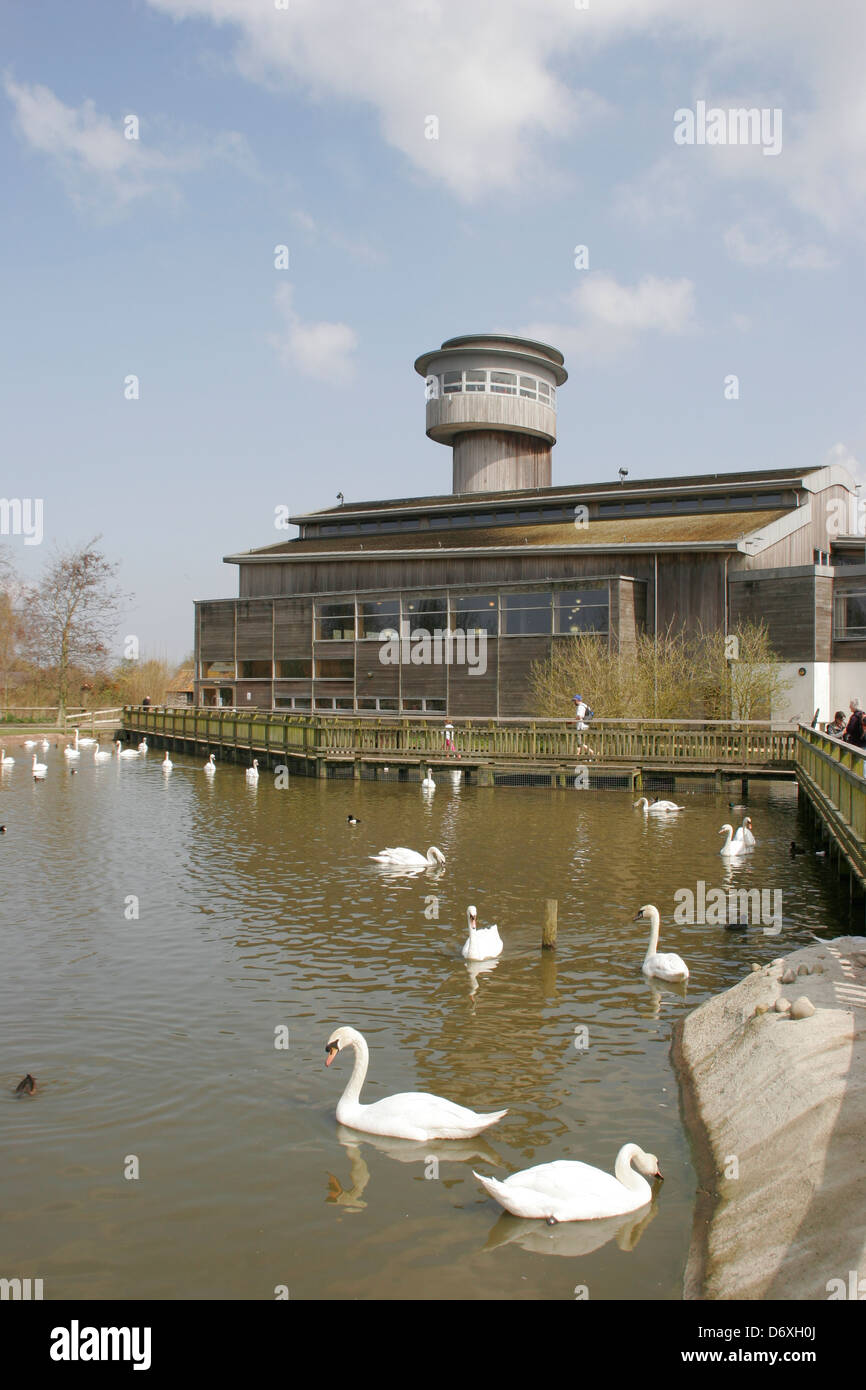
<point>99,166</point>
<point>608,318</point>
<point>356,247</point>
<point>320,350</point>
<point>754,242</point>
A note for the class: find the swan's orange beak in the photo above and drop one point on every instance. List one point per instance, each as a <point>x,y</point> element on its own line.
<point>332,1050</point>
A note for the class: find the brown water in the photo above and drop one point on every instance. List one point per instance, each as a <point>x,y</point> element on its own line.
<point>259,909</point>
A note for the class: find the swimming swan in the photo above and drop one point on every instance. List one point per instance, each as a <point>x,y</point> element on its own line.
<point>732,844</point>
<point>410,858</point>
<point>744,834</point>
<point>166,763</point>
<point>99,756</point>
<point>428,784</point>
<point>410,1115</point>
<point>5,760</point>
<point>252,773</point>
<point>483,943</point>
<point>663,967</point>
<point>657,807</point>
<point>568,1191</point>
<point>142,747</point>
<point>125,752</point>
<point>210,765</point>
<point>40,770</point>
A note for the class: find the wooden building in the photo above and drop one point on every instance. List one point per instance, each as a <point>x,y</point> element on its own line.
<point>345,617</point>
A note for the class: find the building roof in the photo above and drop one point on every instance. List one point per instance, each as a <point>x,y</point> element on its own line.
<point>182,680</point>
<point>718,530</point>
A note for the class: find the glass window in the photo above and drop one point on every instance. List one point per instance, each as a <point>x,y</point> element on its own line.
<point>505,383</point>
<point>440,523</point>
<point>435,705</point>
<point>366,702</point>
<point>580,610</point>
<point>344,702</point>
<point>474,613</point>
<point>413,704</point>
<point>324,702</point>
<point>365,527</point>
<point>426,614</point>
<point>529,516</point>
<point>212,669</point>
<point>335,622</point>
<point>476,380</point>
<point>227,696</point>
<point>452,381</point>
<point>295,669</point>
<point>379,616</point>
<point>526,613</point>
<point>545,392</point>
<point>388,704</point>
<point>255,670</point>
<point>851,615</point>
<point>338,669</point>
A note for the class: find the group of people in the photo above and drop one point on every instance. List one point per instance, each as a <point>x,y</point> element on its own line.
<point>851,730</point>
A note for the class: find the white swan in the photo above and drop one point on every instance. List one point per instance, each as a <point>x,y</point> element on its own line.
<point>658,807</point>
<point>100,755</point>
<point>483,943</point>
<point>29,743</point>
<point>84,742</point>
<point>410,1115</point>
<point>410,858</point>
<point>210,765</point>
<point>744,834</point>
<point>568,1191</point>
<point>732,844</point>
<point>45,745</point>
<point>125,752</point>
<point>142,747</point>
<point>6,761</point>
<point>166,763</point>
<point>428,784</point>
<point>71,750</point>
<point>663,967</point>
<point>253,772</point>
<point>40,770</point>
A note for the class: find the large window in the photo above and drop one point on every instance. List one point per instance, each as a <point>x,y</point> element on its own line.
<point>379,616</point>
<point>339,669</point>
<point>335,622</point>
<point>475,613</point>
<point>851,615</point>
<point>425,614</point>
<point>498,383</point>
<point>210,670</point>
<point>295,669</point>
<point>580,610</point>
<point>523,614</point>
<point>255,670</point>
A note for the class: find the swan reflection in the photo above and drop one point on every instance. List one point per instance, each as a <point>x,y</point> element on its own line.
<point>570,1238</point>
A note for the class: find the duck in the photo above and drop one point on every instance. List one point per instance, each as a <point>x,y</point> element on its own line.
<point>732,845</point>
<point>142,747</point>
<point>40,770</point>
<point>744,833</point>
<point>795,849</point>
<point>352,820</point>
<point>210,765</point>
<point>166,763</point>
<point>662,967</point>
<point>125,752</point>
<point>252,773</point>
<point>2,829</point>
<point>101,755</point>
<point>408,1115</point>
<point>5,760</point>
<point>410,858</point>
<point>428,784</point>
<point>569,1191</point>
<point>657,807</point>
<point>483,943</point>
<point>26,1086</point>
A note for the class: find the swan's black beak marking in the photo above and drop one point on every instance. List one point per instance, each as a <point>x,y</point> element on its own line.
<point>638,917</point>
<point>331,1049</point>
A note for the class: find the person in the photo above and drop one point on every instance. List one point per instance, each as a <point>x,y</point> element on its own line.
<point>449,739</point>
<point>855,731</point>
<point>145,704</point>
<point>837,724</point>
<point>582,712</point>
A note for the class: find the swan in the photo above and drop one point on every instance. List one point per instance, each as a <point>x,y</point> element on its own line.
<point>732,845</point>
<point>253,772</point>
<point>569,1191</point>
<point>29,743</point>
<point>6,761</point>
<point>664,967</point>
<point>100,755</point>
<point>410,1115</point>
<point>210,765</point>
<point>410,858</point>
<point>657,807</point>
<point>71,751</point>
<point>483,943</point>
<point>124,752</point>
<point>45,745</point>
<point>85,742</point>
<point>428,784</point>
<point>40,770</point>
<point>744,834</point>
<point>142,747</point>
<point>166,763</point>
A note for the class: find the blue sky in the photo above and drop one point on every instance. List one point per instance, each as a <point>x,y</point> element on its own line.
<point>305,126</point>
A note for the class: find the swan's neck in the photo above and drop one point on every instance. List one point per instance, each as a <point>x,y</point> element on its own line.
<point>624,1171</point>
<point>359,1072</point>
<point>729,835</point>
<point>653,938</point>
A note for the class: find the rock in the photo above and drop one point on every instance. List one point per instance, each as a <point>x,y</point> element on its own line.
<point>779,961</point>
<point>755,967</point>
<point>761,1008</point>
<point>817,968</point>
<point>802,1007</point>
<point>788,977</point>
<point>802,968</point>
<point>782,1005</point>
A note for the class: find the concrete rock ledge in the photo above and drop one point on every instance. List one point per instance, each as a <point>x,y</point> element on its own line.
<point>776,1107</point>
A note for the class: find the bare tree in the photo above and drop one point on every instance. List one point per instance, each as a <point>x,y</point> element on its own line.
<point>74,611</point>
<point>11,622</point>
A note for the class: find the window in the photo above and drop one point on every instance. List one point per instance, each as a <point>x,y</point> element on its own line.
<point>212,670</point>
<point>435,705</point>
<point>387,703</point>
<point>580,610</point>
<point>413,704</point>
<point>528,387</point>
<point>255,670</point>
<point>476,380</point>
<point>503,383</point>
<point>324,702</point>
<point>295,669</point>
<point>425,614</point>
<point>366,702</point>
<point>472,613</point>
<point>292,702</point>
<point>452,381</point>
<point>851,616</point>
<point>523,614</point>
<point>337,669</point>
<point>335,622</point>
<point>344,702</point>
<point>378,617</point>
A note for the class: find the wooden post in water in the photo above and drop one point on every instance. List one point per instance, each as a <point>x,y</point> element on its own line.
<point>548,930</point>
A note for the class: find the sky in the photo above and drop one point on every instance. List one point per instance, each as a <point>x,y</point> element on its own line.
<point>168,383</point>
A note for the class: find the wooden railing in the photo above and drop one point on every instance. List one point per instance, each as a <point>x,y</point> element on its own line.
<point>834,774</point>
<point>634,742</point>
